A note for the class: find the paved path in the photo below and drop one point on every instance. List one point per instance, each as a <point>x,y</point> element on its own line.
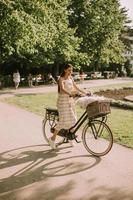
<point>29,170</point>
<point>50,88</point>
<point>129,98</point>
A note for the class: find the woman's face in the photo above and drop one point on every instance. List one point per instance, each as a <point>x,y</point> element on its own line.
<point>68,71</point>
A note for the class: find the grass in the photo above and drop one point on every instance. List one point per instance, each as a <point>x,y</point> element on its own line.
<point>120,121</point>
<point>35,103</point>
<point>112,86</point>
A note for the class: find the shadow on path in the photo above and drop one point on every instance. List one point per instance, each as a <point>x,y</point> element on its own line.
<point>33,165</point>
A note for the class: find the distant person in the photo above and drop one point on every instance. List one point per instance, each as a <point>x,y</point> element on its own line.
<point>30,80</point>
<point>51,79</point>
<point>16,78</point>
<point>36,80</point>
<point>82,76</point>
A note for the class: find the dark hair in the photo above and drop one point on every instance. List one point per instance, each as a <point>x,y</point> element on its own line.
<point>63,74</point>
<point>65,67</point>
<point>16,70</point>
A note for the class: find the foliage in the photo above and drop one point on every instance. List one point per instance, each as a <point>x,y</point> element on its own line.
<point>122,104</point>
<point>127,32</point>
<point>39,32</point>
<point>36,31</point>
<point>99,23</point>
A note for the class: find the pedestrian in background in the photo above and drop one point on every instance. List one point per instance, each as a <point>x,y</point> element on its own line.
<point>16,78</point>
<point>51,79</point>
<point>30,80</point>
<point>82,76</point>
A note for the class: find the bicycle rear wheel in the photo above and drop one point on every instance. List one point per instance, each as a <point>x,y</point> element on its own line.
<point>48,128</point>
<point>97,138</point>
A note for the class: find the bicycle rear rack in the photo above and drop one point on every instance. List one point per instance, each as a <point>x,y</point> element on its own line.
<point>51,114</point>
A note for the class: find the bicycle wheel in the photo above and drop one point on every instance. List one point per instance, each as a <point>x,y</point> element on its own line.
<point>47,128</point>
<point>97,138</point>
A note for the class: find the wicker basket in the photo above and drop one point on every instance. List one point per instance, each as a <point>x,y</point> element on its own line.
<point>98,108</point>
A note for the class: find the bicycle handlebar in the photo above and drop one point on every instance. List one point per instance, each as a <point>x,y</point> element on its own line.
<point>80,95</point>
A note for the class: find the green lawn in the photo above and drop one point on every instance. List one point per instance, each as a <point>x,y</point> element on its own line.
<point>120,121</point>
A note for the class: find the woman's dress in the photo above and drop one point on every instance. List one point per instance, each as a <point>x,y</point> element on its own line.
<point>66,107</point>
<point>16,77</point>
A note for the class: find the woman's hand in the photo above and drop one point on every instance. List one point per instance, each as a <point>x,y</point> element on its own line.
<point>75,94</point>
<point>88,94</point>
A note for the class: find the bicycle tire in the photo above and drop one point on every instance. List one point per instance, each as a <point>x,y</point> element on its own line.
<point>46,129</point>
<point>97,138</point>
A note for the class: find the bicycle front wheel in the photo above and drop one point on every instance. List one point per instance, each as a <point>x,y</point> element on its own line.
<point>97,138</point>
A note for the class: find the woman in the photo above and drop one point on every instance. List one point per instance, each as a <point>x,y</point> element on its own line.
<point>67,89</point>
<point>16,78</point>
<point>30,80</point>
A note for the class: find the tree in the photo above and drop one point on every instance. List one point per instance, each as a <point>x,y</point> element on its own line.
<point>36,32</point>
<point>99,23</point>
<point>82,32</point>
<point>127,32</point>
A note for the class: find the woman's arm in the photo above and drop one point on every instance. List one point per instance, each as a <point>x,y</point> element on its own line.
<point>82,91</point>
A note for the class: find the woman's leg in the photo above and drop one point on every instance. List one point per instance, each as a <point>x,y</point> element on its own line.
<point>52,140</point>
<point>54,135</point>
<point>16,85</point>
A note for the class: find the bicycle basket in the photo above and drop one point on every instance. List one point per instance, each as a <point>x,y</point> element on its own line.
<point>52,114</point>
<point>98,108</point>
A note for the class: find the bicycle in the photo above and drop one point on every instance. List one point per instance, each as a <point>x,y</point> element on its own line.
<point>97,137</point>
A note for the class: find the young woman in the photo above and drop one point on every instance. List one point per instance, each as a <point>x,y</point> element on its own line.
<point>16,78</point>
<point>65,102</point>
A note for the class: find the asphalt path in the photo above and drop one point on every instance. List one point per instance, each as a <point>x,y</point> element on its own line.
<point>30,170</point>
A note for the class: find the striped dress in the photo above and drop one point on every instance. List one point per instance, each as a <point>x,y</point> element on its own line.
<point>66,107</point>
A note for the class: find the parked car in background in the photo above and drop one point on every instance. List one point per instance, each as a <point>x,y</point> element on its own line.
<point>93,75</point>
<point>38,79</point>
<point>96,75</point>
<point>76,76</point>
<point>109,74</point>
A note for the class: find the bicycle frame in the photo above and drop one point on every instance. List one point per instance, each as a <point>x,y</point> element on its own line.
<point>52,115</point>
<point>82,119</point>
<point>79,123</point>
<point>95,130</point>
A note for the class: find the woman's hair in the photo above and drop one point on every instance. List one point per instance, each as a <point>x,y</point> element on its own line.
<point>63,74</point>
<point>16,70</point>
<point>66,67</point>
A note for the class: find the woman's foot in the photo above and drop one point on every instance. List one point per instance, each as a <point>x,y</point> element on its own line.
<point>52,143</point>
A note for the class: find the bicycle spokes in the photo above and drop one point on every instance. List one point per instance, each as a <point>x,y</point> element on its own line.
<point>97,138</point>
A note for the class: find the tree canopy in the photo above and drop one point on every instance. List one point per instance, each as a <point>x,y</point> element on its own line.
<point>36,31</point>
<point>99,23</point>
<point>46,31</point>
